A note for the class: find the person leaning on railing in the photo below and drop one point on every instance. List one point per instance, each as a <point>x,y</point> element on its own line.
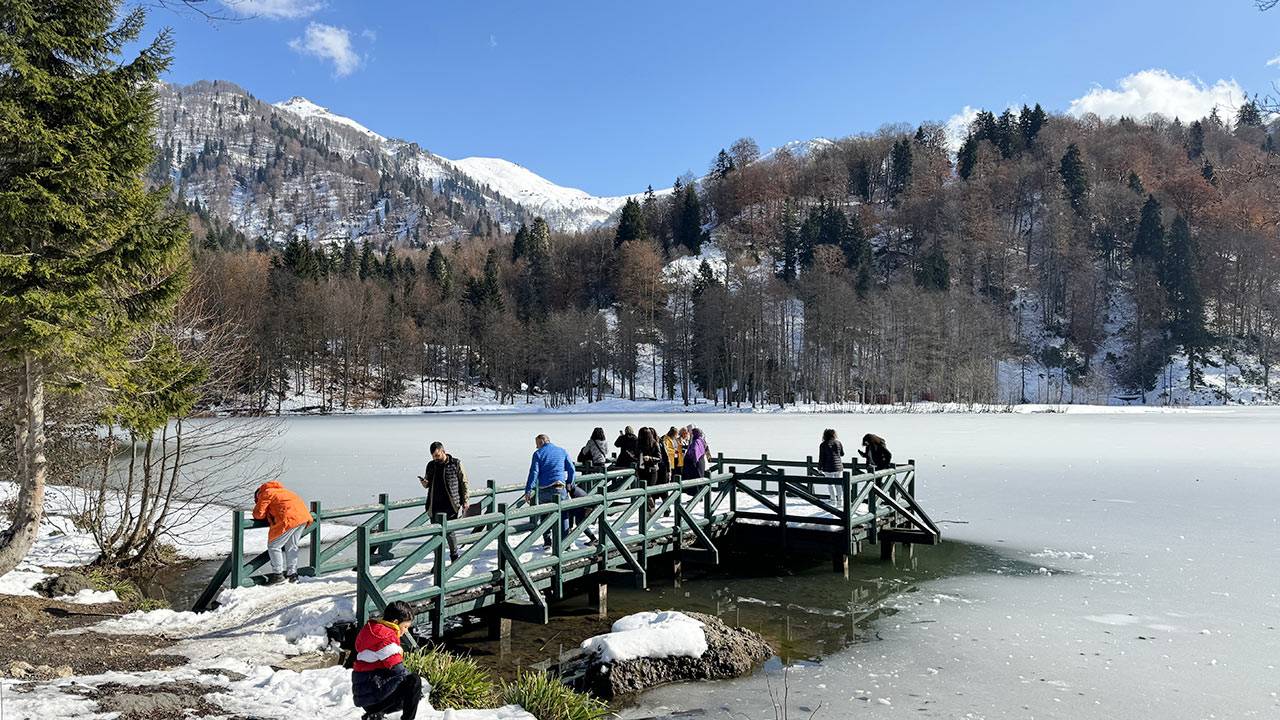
<point>550,474</point>
<point>289,517</point>
<point>876,452</point>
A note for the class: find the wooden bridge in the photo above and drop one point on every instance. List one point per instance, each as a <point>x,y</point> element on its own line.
<point>505,569</point>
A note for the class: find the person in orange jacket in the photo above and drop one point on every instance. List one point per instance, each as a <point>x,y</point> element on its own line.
<point>289,517</point>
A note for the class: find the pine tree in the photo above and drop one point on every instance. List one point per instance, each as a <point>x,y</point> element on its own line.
<point>1206,172</point>
<point>88,256</point>
<point>520,244</point>
<point>1074,179</point>
<point>934,272</point>
<point>631,224</point>
<point>1185,300</point>
<point>899,167</point>
<point>368,263</point>
<point>390,265</point>
<point>790,250</point>
<point>1030,122</point>
<point>1195,140</point>
<point>1148,245</point>
<point>1248,116</point>
<point>534,291</point>
<point>967,156</point>
<point>689,231</point>
<point>491,284</point>
<point>1135,184</point>
<point>439,271</point>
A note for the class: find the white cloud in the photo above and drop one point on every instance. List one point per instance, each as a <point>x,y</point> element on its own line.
<point>329,43</point>
<point>957,127</point>
<point>1273,61</point>
<point>1158,91</point>
<point>274,9</point>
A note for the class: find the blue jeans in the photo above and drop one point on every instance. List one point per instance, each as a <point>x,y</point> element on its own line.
<point>549,495</point>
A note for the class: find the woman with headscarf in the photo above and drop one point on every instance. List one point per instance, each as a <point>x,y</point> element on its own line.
<point>695,457</point>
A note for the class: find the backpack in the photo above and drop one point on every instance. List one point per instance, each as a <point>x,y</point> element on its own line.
<point>584,455</point>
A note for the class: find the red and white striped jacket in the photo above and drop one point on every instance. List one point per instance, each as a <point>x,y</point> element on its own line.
<point>378,646</point>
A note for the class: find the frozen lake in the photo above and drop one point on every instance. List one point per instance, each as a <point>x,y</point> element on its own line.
<point>1158,536</point>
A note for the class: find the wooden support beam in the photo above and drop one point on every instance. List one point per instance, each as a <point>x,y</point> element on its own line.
<point>840,564</point>
<point>599,599</point>
<point>886,550</point>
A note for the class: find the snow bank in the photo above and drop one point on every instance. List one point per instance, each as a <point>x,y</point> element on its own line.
<point>650,635</point>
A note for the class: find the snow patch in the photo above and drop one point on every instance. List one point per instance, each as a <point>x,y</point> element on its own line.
<point>650,635</point>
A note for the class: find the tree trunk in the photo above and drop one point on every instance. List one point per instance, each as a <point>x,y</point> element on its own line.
<point>29,441</point>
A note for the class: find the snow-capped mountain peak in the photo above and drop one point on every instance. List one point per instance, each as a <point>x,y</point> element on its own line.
<point>560,205</point>
<point>308,110</point>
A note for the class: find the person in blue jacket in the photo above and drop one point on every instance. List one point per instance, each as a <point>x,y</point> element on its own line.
<point>550,474</point>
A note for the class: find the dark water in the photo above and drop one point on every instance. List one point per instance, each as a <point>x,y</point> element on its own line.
<point>799,604</point>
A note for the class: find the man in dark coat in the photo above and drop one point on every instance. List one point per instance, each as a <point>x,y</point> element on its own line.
<point>446,485</point>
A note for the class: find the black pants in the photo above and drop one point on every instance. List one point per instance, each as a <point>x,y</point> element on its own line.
<point>405,699</point>
<point>449,537</point>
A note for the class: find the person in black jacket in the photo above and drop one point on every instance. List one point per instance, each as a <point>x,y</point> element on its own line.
<point>831,462</point>
<point>876,452</point>
<point>628,449</point>
<point>446,485</point>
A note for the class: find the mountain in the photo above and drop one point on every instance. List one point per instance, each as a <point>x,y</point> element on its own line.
<point>294,168</point>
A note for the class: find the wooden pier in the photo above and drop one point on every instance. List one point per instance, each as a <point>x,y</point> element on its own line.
<point>505,568</point>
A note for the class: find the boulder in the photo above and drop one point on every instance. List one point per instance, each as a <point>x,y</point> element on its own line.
<point>68,583</point>
<point>731,652</point>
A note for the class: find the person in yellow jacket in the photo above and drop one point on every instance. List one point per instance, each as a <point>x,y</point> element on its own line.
<point>672,455</point>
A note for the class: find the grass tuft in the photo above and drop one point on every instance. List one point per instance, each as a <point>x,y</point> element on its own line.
<point>457,683</point>
<point>546,698</point>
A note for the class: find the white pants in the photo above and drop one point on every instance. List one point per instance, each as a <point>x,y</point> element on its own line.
<point>283,551</point>
<point>837,491</point>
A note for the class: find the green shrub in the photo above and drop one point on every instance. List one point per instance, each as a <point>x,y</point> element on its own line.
<point>456,682</point>
<point>125,589</point>
<point>546,698</point>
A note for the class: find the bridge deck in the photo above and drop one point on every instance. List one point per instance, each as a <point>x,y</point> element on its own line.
<point>505,564</point>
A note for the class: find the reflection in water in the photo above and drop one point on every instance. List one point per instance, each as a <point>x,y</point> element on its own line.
<point>799,605</point>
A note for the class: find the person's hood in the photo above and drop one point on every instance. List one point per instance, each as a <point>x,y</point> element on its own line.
<point>270,485</point>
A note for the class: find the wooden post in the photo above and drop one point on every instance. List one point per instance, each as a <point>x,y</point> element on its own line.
<point>782,507</point>
<point>873,528</point>
<point>502,557</point>
<point>599,599</point>
<point>437,568</point>
<point>886,551</point>
<point>846,504</point>
<point>911,483</point>
<point>557,547</point>
<point>238,578</point>
<point>499,627</point>
<point>383,552</point>
<point>840,564</point>
<point>362,561</point>
<point>677,569</point>
<point>314,550</point>
<point>492,485</point>
<point>733,491</point>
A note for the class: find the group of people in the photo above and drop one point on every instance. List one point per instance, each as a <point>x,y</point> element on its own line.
<point>680,453</point>
<point>874,451</point>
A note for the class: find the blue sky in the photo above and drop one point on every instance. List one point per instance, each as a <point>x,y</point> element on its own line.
<point>612,96</point>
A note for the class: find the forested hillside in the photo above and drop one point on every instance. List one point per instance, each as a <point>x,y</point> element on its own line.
<point>1048,258</point>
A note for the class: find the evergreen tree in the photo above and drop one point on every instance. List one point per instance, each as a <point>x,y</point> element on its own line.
<point>368,263</point>
<point>1206,172</point>
<point>534,291</point>
<point>1030,122</point>
<point>1185,300</point>
<point>723,165</point>
<point>934,272</point>
<point>390,265</point>
<point>439,271</point>
<point>1195,140</point>
<point>790,242</point>
<point>1135,184</point>
<point>631,224</point>
<point>860,179</point>
<point>899,167</point>
<point>689,231</point>
<point>853,241</point>
<point>88,256</point>
<point>1248,116</point>
<point>967,156</point>
<point>491,284</point>
<point>1148,245</point>
<point>520,244</point>
<point>1074,179</point>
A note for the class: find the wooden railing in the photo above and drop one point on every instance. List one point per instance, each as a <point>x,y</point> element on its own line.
<point>515,554</point>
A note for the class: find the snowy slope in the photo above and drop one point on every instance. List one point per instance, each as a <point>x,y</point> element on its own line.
<point>559,205</point>
<point>312,112</point>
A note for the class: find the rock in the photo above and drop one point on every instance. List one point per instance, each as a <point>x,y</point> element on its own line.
<point>63,671</point>
<point>68,583</point>
<point>308,661</point>
<point>19,670</point>
<point>731,652</point>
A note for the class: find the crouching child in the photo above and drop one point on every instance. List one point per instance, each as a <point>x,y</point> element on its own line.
<point>380,683</point>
